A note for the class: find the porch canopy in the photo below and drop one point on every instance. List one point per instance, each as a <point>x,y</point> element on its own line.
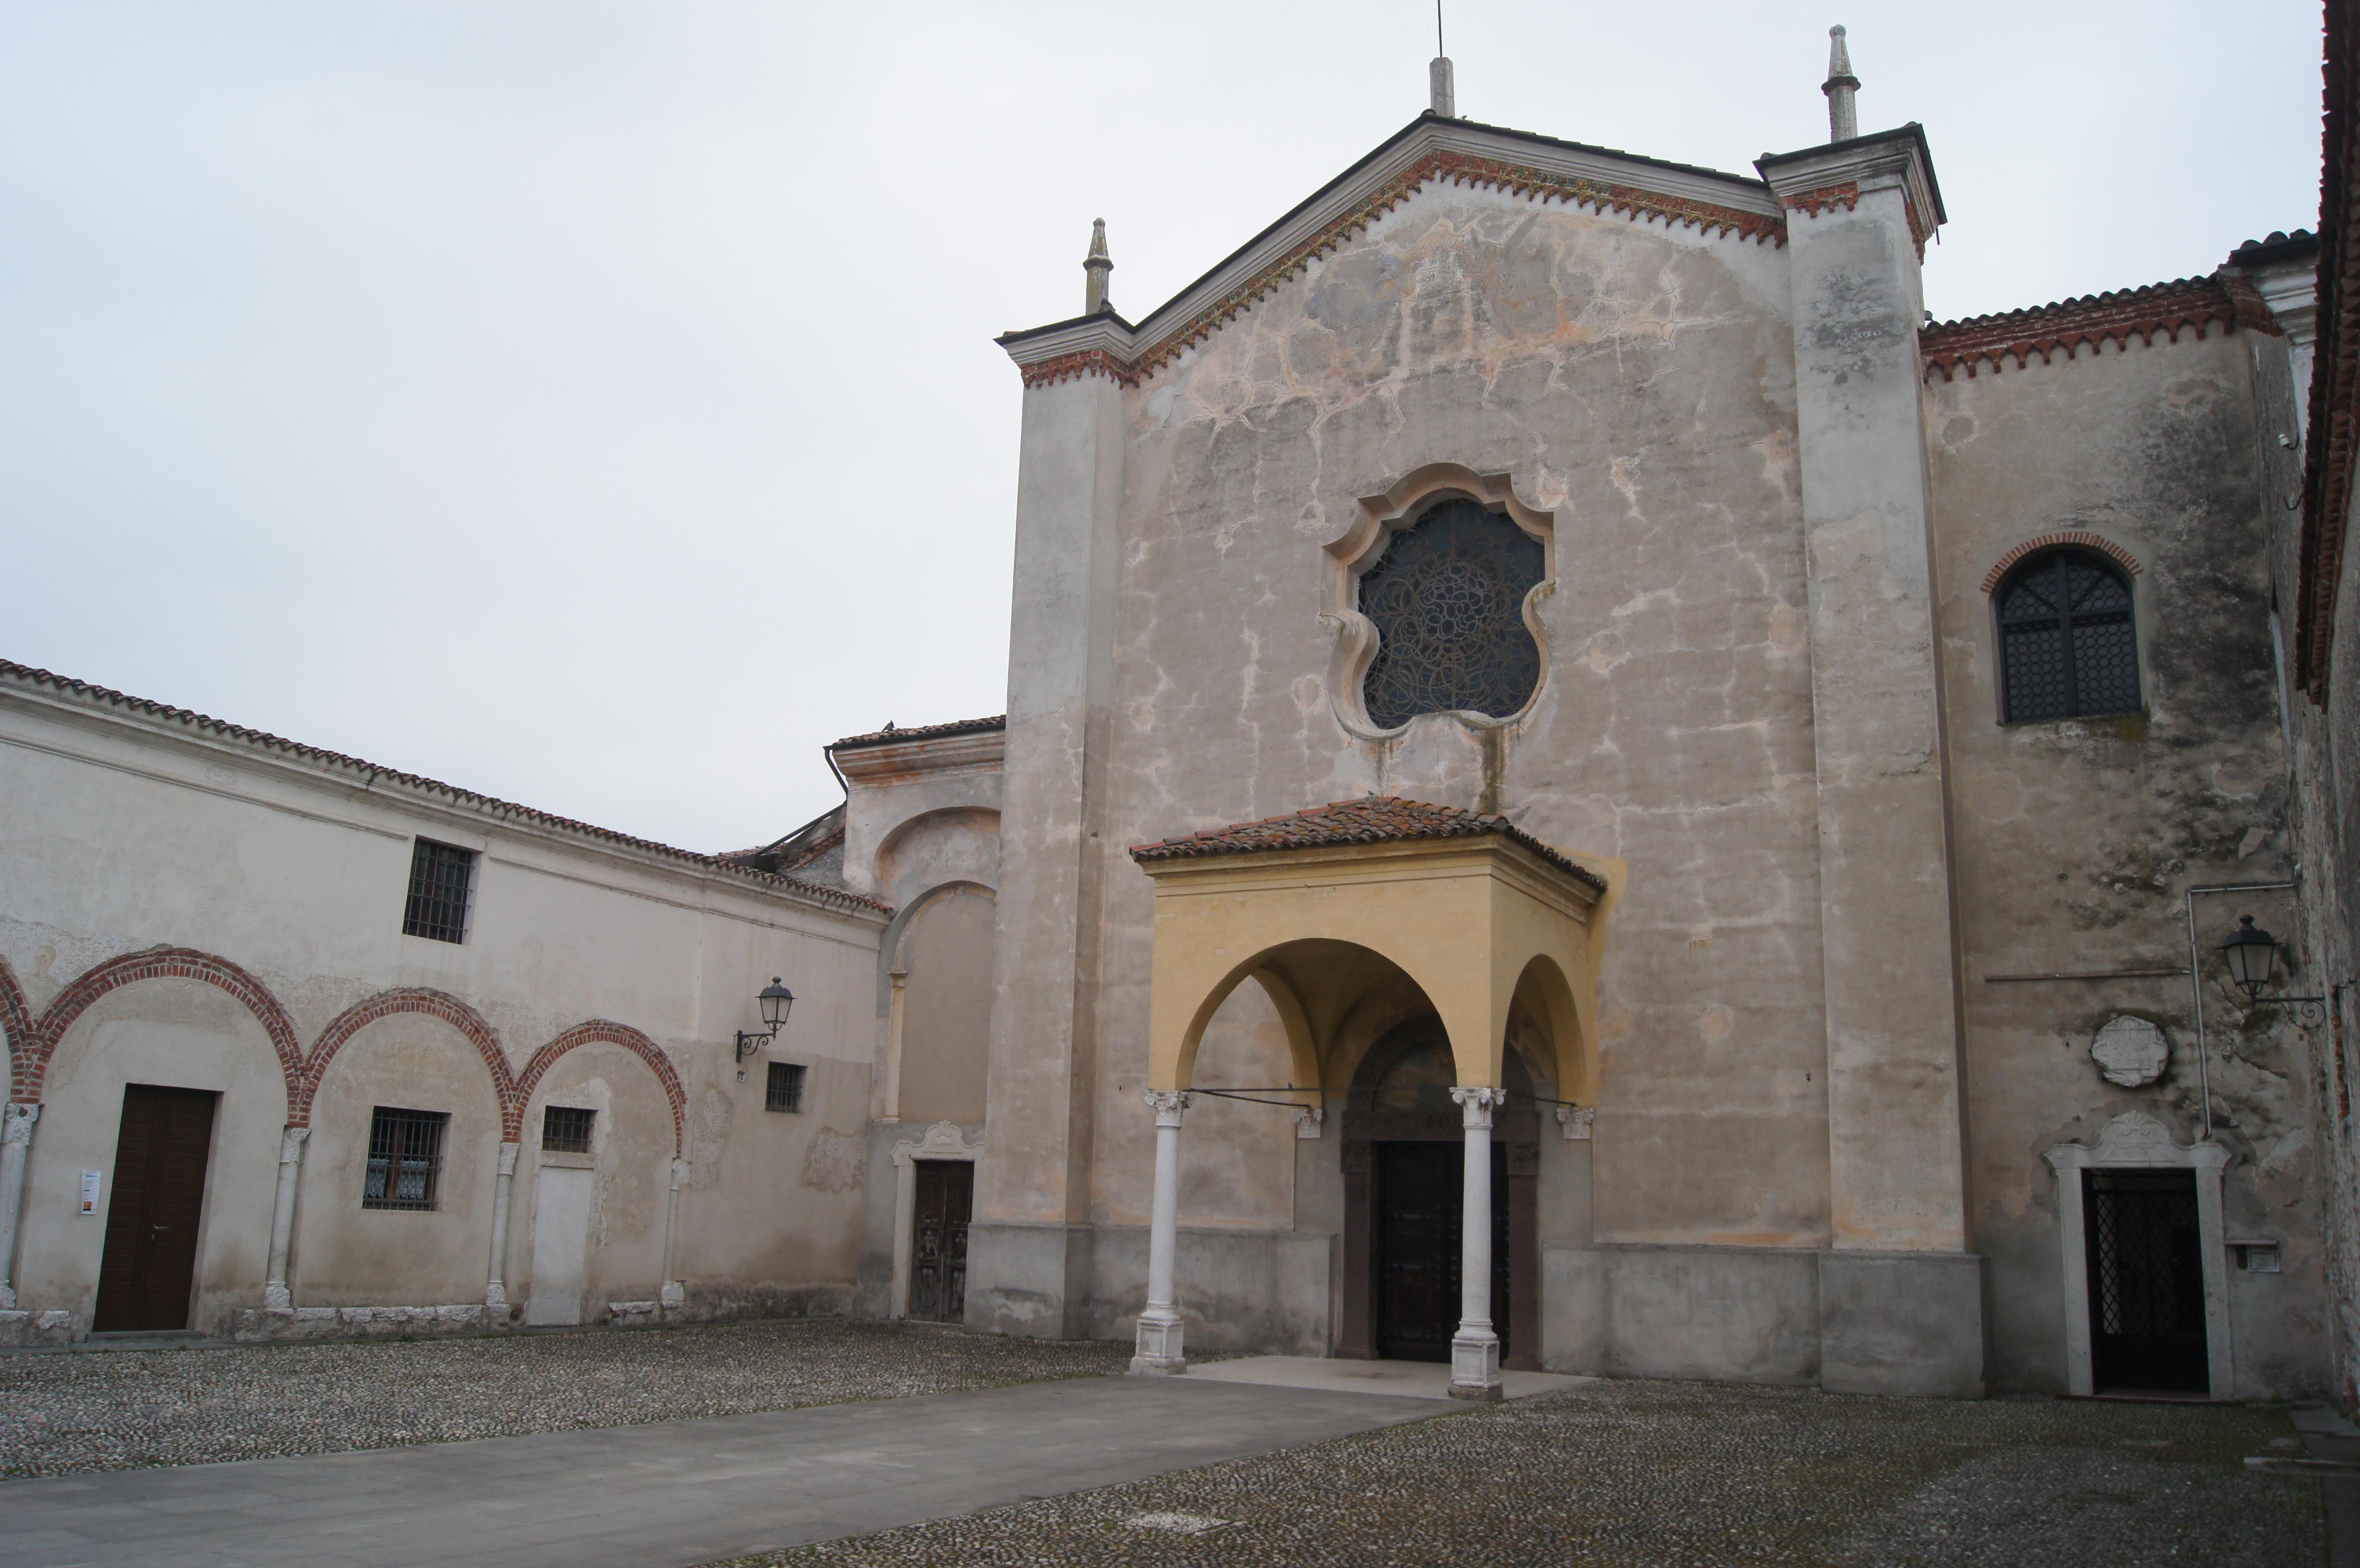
<point>1482,917</point>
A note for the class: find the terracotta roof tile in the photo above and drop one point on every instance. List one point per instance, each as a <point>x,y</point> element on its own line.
<point>1373,819</point>
<point>921,731</point>
<point>100,696</point>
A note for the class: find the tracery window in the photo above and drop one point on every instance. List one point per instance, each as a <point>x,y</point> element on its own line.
<point>1447,598</point>
<point>2067,645</point>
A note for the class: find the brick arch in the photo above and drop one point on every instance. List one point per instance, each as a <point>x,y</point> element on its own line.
<point>17,1025</point>
<point>388,1003</point>
<point>2074,537</point>
<point>158,963</point>
<point>596,1031</point>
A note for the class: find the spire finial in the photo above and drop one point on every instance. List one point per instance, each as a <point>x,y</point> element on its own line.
<point>1095,267</point>
<point>1445,92</point>
<point>1843,119</point>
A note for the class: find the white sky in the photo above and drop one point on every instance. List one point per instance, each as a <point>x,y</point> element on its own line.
<point>595,404</point>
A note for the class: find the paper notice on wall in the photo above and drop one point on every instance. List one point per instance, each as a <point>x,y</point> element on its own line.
<point>90,1192</point>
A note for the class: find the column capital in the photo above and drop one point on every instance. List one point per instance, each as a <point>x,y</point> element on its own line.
<point>1478,1104</point>
<point>16,1126</point>
<point>1167,1104</point>
<point>509,1152</point>
<point>290,1144</point>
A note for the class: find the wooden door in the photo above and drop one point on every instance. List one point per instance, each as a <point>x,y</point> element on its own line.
<point>946,1198</point>
<point>148,1270</point>
<point>2146,1280</point>
<point>1421,1197</point>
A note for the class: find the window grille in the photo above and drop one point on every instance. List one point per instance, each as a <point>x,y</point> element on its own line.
<point>565,1129</point>
<point>439,875</point>
<point>1448,601</point>
<point>786,1090</point>
<point>2068,648</point>
<point>405,1161</point>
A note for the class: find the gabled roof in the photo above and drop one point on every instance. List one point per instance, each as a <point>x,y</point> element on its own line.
<point>2069,326</point>
<point>1372,818</point>
<point>375,776</point>
<point>1459,152</point>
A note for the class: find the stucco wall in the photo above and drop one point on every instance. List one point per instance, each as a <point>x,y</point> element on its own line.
<point>118,834</point>
<point>2075,839</point>
<point>1636,380</point>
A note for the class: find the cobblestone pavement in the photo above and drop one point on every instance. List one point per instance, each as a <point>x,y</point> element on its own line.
<point>1669,1474</point>
<point>109,1410</point>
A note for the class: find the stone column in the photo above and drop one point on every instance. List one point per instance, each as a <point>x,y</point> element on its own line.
<point>15,1147</point>
<point>674,1293</point>
<point>496,1288</point>
<point>1475,1348</point>
<point>1160,1348</point>
<point>901,978</point>
<point>275,1292</point>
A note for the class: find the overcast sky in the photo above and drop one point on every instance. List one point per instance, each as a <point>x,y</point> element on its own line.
<point>595,404</point>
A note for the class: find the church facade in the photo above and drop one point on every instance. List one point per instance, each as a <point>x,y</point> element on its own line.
<point>1584,788</point>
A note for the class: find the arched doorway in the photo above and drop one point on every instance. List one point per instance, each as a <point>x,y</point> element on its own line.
<point>1403,1164</point>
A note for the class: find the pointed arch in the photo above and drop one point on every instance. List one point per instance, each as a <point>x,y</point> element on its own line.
<point>386,1005</point>
<point>596,1031</point>
<point>162,963</point>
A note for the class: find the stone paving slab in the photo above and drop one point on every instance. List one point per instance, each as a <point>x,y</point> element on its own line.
<point>1631,1474</point>
<point>667,1494</point>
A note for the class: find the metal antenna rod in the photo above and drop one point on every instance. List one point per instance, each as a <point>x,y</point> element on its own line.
<point>1437,28</point>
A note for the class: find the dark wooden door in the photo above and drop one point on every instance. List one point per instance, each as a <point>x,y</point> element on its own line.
<point>149,1267</point>
<point>1420,1197</point>
<point>939,1240</point>
<point>2146,1280</point>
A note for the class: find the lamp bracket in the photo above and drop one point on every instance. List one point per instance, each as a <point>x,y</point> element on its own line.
<point>747,1044</point>
<point>2310,1011</point>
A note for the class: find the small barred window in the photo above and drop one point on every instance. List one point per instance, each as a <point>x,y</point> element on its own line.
<point>1448,601</point>
<point>405,1159</point>
<point>439,874</point>
<point>565,1129</point>
<point>2068,648</point>
<point>786,1087</point>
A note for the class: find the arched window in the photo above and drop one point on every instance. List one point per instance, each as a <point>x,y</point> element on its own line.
<point>2067,647</point>
<point>1448,599</point>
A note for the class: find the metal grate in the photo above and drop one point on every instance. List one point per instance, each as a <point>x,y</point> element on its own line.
<point>1447,600</point>
<point>2149,1279</point>
<point>439,874</point>
<point>565,1129</point>
<point>786,1089</point>
<point>404,1162</point>
<point>2068,649</point>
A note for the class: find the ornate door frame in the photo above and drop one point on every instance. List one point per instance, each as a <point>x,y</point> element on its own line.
<point>944,1141</point>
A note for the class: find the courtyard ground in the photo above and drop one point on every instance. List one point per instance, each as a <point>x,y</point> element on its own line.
<point>852,1444</point>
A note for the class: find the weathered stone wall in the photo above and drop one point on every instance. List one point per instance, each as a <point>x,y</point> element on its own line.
<point>2075,839</point>
<point>1636,380</point>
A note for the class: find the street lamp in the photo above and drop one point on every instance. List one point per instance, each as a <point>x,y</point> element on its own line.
<point>2253,955</point>
<point>776,1001</point>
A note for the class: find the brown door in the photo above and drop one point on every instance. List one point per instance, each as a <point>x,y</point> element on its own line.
<point>1421,1194</point>
<point>150,1268</point>
<point>939,1240</point>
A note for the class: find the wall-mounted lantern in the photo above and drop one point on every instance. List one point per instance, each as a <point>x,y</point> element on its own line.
<point>776,1001</point>
<point>2253,956</point>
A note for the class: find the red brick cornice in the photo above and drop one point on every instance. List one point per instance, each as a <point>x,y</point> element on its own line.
<point>2104,547</point>
<point>1438,168</point>
<point>2091,321</point>
<point>2335,433</point>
